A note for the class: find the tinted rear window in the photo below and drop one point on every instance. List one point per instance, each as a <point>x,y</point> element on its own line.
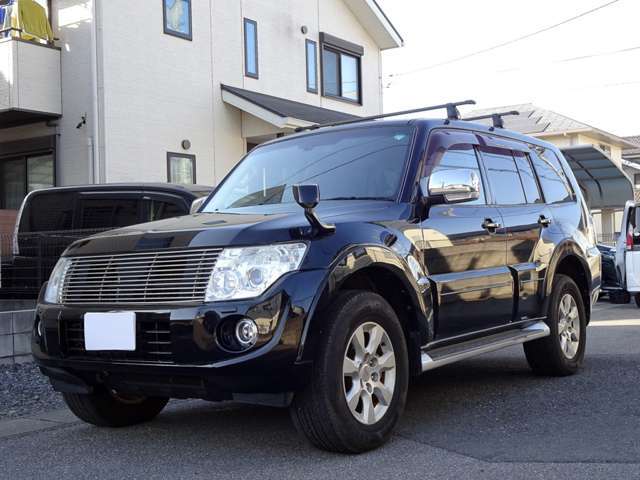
<point>555,185</point>
<point>108,212</point>
<point>48,212</point>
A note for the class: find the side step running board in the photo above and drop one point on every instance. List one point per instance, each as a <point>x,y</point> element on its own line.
<point>453,353</point>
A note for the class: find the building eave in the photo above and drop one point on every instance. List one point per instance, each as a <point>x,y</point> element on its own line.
<point>376,23</point>
<point>594,132</point>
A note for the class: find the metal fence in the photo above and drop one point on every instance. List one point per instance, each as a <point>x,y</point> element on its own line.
<point>23,272</point>
<point>608,238</point>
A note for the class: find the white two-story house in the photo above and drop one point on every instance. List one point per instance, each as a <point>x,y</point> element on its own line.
<point>176,90</point>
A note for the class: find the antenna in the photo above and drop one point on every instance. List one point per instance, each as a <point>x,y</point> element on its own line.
<point>452,114</point>
<point>498,121</point>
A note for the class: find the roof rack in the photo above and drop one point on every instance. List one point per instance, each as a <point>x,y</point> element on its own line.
<point>498,121</point>
<point>452,114</point>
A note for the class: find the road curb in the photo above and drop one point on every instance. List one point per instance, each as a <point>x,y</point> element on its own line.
<point>36,423</point>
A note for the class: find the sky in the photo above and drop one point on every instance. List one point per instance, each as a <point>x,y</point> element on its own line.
<point>587,69</point>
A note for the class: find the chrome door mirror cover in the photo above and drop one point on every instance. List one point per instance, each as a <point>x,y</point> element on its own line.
<point>452,185</point>
<point>196,204</point>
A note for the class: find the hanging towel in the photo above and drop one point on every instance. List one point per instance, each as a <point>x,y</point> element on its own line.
<point>6,11</point>
<point>31,18</point>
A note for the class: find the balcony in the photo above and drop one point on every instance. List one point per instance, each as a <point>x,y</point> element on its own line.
<point>30,89</point>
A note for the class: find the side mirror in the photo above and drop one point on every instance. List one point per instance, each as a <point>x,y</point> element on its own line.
<point>308,197</point>
<point>450,185</point>
<point>196,204</point>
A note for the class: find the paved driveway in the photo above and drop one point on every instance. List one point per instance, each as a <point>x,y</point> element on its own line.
<point>488,417</point>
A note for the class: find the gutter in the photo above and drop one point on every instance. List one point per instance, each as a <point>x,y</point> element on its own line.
<point>94,139</point>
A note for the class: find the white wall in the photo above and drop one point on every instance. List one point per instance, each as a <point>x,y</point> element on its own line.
<point>72,24</point>
<point>157,91</point>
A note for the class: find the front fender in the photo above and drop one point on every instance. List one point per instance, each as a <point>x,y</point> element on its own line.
<point>355,259</point>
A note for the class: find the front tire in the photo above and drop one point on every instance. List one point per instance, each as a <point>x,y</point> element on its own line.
<point>104,408</point>
<point>562,352</point>
<point>637,299</point>
<point>359,379</point>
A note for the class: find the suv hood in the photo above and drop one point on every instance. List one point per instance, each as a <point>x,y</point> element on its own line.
<point>248,226</point>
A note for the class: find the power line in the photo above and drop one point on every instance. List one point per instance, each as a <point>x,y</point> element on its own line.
<point>504,44</point>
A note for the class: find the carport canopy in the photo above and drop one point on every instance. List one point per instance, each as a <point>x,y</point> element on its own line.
<point>605,185</point>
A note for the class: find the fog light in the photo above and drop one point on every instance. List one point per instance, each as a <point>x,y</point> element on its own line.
<point>246,333</point>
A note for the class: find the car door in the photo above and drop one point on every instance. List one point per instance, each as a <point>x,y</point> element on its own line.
<point>464,248</point>
<point>517,196</point>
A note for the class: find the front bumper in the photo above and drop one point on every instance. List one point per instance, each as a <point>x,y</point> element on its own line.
<point>178,352</point>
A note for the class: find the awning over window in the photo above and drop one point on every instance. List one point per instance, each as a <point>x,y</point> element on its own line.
<point>283,113</point>
<point>604,184</point>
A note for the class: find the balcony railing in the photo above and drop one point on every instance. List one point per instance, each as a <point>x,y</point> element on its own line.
<point>30,81</point>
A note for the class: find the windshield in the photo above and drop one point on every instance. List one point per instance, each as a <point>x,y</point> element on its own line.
<point>356,164</point>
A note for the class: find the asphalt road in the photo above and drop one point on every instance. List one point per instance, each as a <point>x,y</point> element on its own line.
<point>488,417</point>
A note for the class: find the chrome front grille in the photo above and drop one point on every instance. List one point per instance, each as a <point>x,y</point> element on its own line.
<point>172,276</point>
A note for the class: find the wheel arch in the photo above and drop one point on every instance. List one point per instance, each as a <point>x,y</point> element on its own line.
<point>569,261</point>
<point>383,271</point>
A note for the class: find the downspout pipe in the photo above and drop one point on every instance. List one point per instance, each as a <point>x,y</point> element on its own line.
<point>94,140</point>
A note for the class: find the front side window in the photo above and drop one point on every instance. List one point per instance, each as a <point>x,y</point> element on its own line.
<point>181,168</point>
<point>177,18</point>
<point>553,181</point>
<point>108,212</point>
<point>354,164</point>
<point>312,62</point>
<point>250,48</point>
<point>161,209</point>
<point>503,176</point>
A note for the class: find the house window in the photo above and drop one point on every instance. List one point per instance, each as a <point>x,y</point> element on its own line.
<point>636,180</point>
<point>312,66</point>
<point>341,69</point>
<point>21,175</point>
<point>250,48</point>
<point>181,168</point>
<point>177,18</point>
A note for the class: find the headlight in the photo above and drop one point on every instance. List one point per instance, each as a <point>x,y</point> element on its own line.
<point>53,294</point>
<point>248,272</point>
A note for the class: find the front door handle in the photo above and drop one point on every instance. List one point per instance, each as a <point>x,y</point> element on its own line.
<point>490,225</point>
<point>544,221</point>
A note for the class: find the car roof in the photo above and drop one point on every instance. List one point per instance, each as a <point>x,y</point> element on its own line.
<point>427,124</point>
<point>106,187</point>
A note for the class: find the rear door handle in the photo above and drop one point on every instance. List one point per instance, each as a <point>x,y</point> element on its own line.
<point>544,221</point>
<point>490,225</point>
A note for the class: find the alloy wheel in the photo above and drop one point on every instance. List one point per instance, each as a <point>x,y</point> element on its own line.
<point>569,326</point>
<point>369,373</point>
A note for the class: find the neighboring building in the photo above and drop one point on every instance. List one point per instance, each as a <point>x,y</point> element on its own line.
<point>177,90</point>
<point>595,156</point>
<point>631,163</point>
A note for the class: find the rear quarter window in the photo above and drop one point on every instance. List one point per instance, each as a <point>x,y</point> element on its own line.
<point>48,212</point>
<point>553,181</point>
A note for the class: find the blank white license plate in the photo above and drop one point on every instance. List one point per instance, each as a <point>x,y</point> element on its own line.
<point>110,331</point>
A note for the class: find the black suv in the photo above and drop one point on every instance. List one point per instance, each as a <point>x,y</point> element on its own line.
<point>435,241</point>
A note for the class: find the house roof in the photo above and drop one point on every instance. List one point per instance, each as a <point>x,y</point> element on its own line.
<point>540,122</point>
<point>632,152</point>
<point>280,112</point>
<point>376,23</point>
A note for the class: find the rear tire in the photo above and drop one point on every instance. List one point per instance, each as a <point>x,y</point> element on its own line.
<point>106,409</point>
<point>562,352</point>
<point>637,298</point>
<point>619,297</point>
<point>359,378</point>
